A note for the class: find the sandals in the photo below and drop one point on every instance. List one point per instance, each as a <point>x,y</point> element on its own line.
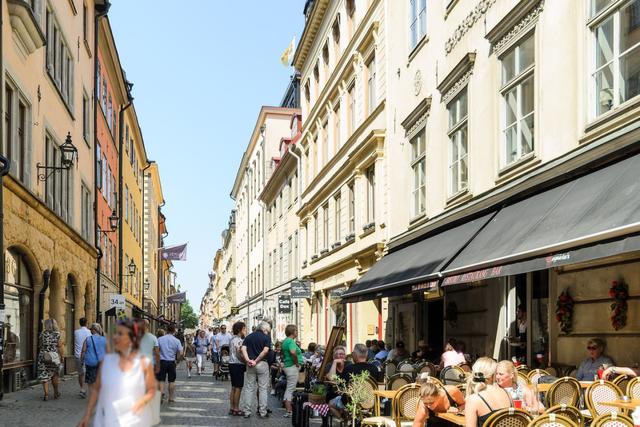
<point>45,397</point>
<point>57,395</point>
<point>236,412</point>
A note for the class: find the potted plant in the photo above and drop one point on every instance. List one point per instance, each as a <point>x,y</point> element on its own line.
<point>358,391</point>
<point>318,393</point>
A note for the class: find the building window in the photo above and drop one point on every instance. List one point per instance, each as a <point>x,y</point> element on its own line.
<point>18,295</point>
<point>325,61</point>
<point>126,203</point>
<point>458,143</point>
<point>351,93</point>
<point>418,167</point>
<point>371,194</point>
<point>316,225</point>
<point>85,23</point>
<point>337,143</point>
<point>417,21</point>
<point>616,75</point>
<point>352,207</point>
<point>325,144</point>
<point>371,85</point>
<point>350,7</point>
<point>281,269</point>
<point>86,117</point>
<point>85,214</point>
<point>17,145</point>
<point>325,226</point>
<point>57,185</point>
<point>59,60</point>
<point>518,100</point>
<point>335,30</point>
<point>98,167</point>
<point>337,218</point>
<point>290,258</point>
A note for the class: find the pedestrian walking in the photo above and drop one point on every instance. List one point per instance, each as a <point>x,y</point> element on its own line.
<point>292,357</point>
<point>94,348</point>
<point>125,385</point>
<point>190,354</point>
<point>170,351</point>
<point>50,358</point>
<point>215,356</point>
<point>80,335</point>
<point>223,338</point>
<point>255,349</point>
<point>149,348</point>
<point>236,367</point>
<point>203,350</point>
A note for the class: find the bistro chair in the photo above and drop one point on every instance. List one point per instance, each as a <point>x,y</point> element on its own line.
<point>552,371</point>
<point>567,411</point>
<point>601,391</point>
<point>426,367</point>
<point>633,388</point>
<point>509,417</point>
<point>552,420</point>
<point>564,391</point>
<point>429,379</point>
<point>406,367</point>
<point>465,367</point>
<point>378,422</point>
<point>453,375</point>
<point>369,404</point>
<point>395,382</point>
<point>612,419</point>
<point>523,380</point>
<point>622,381</point>
<point>389,368</point>
<point>523,368</point>
<point>406,404</point>
<point>534,375</point>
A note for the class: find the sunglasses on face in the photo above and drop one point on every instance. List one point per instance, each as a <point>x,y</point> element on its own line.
<point>592,348</point>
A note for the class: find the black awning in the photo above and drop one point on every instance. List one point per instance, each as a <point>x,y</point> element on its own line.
<point>597,213</point>
<point>416,264</point>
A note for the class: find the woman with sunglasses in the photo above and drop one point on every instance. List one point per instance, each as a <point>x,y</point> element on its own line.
<point>588,369</point>
<point>125,384</point>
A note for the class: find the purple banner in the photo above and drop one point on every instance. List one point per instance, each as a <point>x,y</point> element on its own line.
<point>175,253</point>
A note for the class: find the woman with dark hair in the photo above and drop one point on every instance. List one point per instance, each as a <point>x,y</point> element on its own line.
<point>236,367</point>
<point>125,384</point>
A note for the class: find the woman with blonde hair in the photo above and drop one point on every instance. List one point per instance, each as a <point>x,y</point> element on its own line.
<point>50,357</point>
<point>507,379</point>
<point>437,400</point>
<point>483,397</point>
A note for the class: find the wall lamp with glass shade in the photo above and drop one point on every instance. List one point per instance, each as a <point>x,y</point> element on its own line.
<point>68,154</point>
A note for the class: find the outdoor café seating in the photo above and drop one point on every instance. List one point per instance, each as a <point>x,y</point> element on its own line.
<point>613,419</point>
<point>633,388</point>
<point>601,391</point>
<point>509,417</point>
<point>395,382</point>
<point>552,420</point>
<point>389,368</point>
<point>570,412</point>
<point>406,367</point>
<point>622,381</point>
<point>426,367</point>
<point>535,375</point>
<point>453,375</point>
<point>564,391</point>
<point>406,403</point>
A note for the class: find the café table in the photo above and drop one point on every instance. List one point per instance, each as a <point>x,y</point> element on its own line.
<point>457,418</point>
<point>624,404</point>
<point>384,394</point>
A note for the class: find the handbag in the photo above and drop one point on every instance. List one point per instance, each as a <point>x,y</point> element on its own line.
<point>51,358</point>
<point>94,352</point>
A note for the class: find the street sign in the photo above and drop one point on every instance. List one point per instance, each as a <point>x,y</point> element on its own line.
<point>235,311</point>
<point>284,304</point>
<point>300,289</point>
<point>118,301</point>
<point>178,298</point>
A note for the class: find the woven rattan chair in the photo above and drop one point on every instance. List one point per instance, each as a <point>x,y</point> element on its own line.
<point>406,367</point>
<point>601,391</point>
<point>535,375</point>
<point>564,391</point>
<point>395,382</point>
<point>570,412</point>
<point>406,403</point>
<point>389,368</point>
<point>523,380</point>
<point>509,417</point>
<point>427,367</point>
<point>378,422</point>
<point>369,403</point>
<point>453,375</point>
<point>633,388</point>
<point>465,367</point>
<point>552,371</point>
<point>612,420</point>
<point>552,420</point>
<point>523,368</point>
<point>622,381</point>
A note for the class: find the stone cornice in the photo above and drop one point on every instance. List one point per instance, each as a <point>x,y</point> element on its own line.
<point>476,13</point>
<point>416,118</point>
<point>457,77</point>
<point>520,19</point>
<point>309,33</point>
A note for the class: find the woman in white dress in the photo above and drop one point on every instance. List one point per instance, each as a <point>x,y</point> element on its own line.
<point>125,384</point>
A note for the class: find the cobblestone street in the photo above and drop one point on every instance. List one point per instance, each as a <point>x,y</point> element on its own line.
<point>200,401</point>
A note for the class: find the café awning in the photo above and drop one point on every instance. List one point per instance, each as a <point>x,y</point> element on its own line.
<point>415,265</point>
<point>594,216</point>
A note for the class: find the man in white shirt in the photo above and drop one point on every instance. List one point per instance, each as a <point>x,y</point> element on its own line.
<point>170,348</point>
<point>79,337</point>
<point>149,346</point>
<point>222,338</point>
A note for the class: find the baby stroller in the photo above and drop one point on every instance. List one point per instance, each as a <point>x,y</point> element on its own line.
<point>224,362</point>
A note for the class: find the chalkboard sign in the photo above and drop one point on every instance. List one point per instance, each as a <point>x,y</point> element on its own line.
<point>300,289</point>
<point>284,304</point>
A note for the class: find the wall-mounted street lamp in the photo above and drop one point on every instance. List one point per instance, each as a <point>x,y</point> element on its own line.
<point>68,154</point>
<point>113,223</point>
<point>131,268</point>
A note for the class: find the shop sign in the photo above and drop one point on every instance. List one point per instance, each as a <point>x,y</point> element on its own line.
<point>300,289</point>
<point>177,298</point>
<point>337,293</point>
<point>284,304</point>
<point>118,301</point>
<point>235,311</point>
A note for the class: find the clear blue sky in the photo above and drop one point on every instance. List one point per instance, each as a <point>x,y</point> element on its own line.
<point>201,70</point>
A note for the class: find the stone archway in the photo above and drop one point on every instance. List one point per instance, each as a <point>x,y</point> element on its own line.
<point>53,306</point>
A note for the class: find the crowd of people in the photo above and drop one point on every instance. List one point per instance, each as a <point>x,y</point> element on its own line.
<point>126,380</point>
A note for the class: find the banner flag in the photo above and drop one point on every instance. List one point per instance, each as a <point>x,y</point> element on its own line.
<point>285,58</point>
<point>175,253</point>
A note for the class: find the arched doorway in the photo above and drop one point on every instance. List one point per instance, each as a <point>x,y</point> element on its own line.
<point>18,327</point>
<point>69,315</point>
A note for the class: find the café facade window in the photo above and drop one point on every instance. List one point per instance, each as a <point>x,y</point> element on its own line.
<point>18,294</point>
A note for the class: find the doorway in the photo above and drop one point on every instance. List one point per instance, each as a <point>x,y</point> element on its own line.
<point>435,325</point>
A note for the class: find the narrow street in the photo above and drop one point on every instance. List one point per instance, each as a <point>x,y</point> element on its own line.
<point>200,401</point>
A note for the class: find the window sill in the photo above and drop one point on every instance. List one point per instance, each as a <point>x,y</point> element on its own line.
<point>368,229</point>
<point>459,197</point>
<point>24,24</point>
<point>417,219</point>
<point>616,117</point>
<point>450,7</point>
<point>414,52</point>
<point>517,168</point>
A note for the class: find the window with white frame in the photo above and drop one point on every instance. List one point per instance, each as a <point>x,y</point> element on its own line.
<point>616,57</point>
<point>324,150</point>
<point>518,100</point>
<point>352,207</point>
<point>371,85</point>
<point>316,236</point>
<point>59,59</point>
<point>337,218</point>
<point>418,170</point>
<point>86,203</point>
<point>86,117</point>
<point>17,133</point>
<point>58,186</point>
<point>337,142</point>
<point>458,112</point>
<point>371,194</point>
<point>417,21</point>
<point>351,93</point>
<point>290,258</point>
<point>325,226</point>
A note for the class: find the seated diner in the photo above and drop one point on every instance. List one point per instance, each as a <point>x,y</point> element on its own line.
<point>437,400</point>
<point>522,396</point>
<point>588,369</point>
<point>483,396</point>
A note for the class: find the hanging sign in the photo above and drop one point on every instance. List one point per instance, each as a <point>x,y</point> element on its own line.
<point>300,289</point>
<point>118,301</point>
<point>284,304</point>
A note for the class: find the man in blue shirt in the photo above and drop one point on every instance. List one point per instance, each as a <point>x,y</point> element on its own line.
<point>383,353</point>
<point>255,349</point>
<point>170,348</point>
<point>588,369</point>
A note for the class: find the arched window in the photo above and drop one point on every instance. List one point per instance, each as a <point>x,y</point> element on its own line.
<point>70,308</point>
<point>18,298</point>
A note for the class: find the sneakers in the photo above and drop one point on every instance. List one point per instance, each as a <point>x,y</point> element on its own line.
<point>82,394</point>
<point>263,416</point>
<point>247,415</point>
<point>287,414</point>
<point>273,392</point>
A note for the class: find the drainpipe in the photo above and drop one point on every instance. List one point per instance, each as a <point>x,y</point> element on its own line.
<point>5,169</point>
<point>46,278</point>
<point>101,10</point>
<point>123,108</point>
<point>292,150</point>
